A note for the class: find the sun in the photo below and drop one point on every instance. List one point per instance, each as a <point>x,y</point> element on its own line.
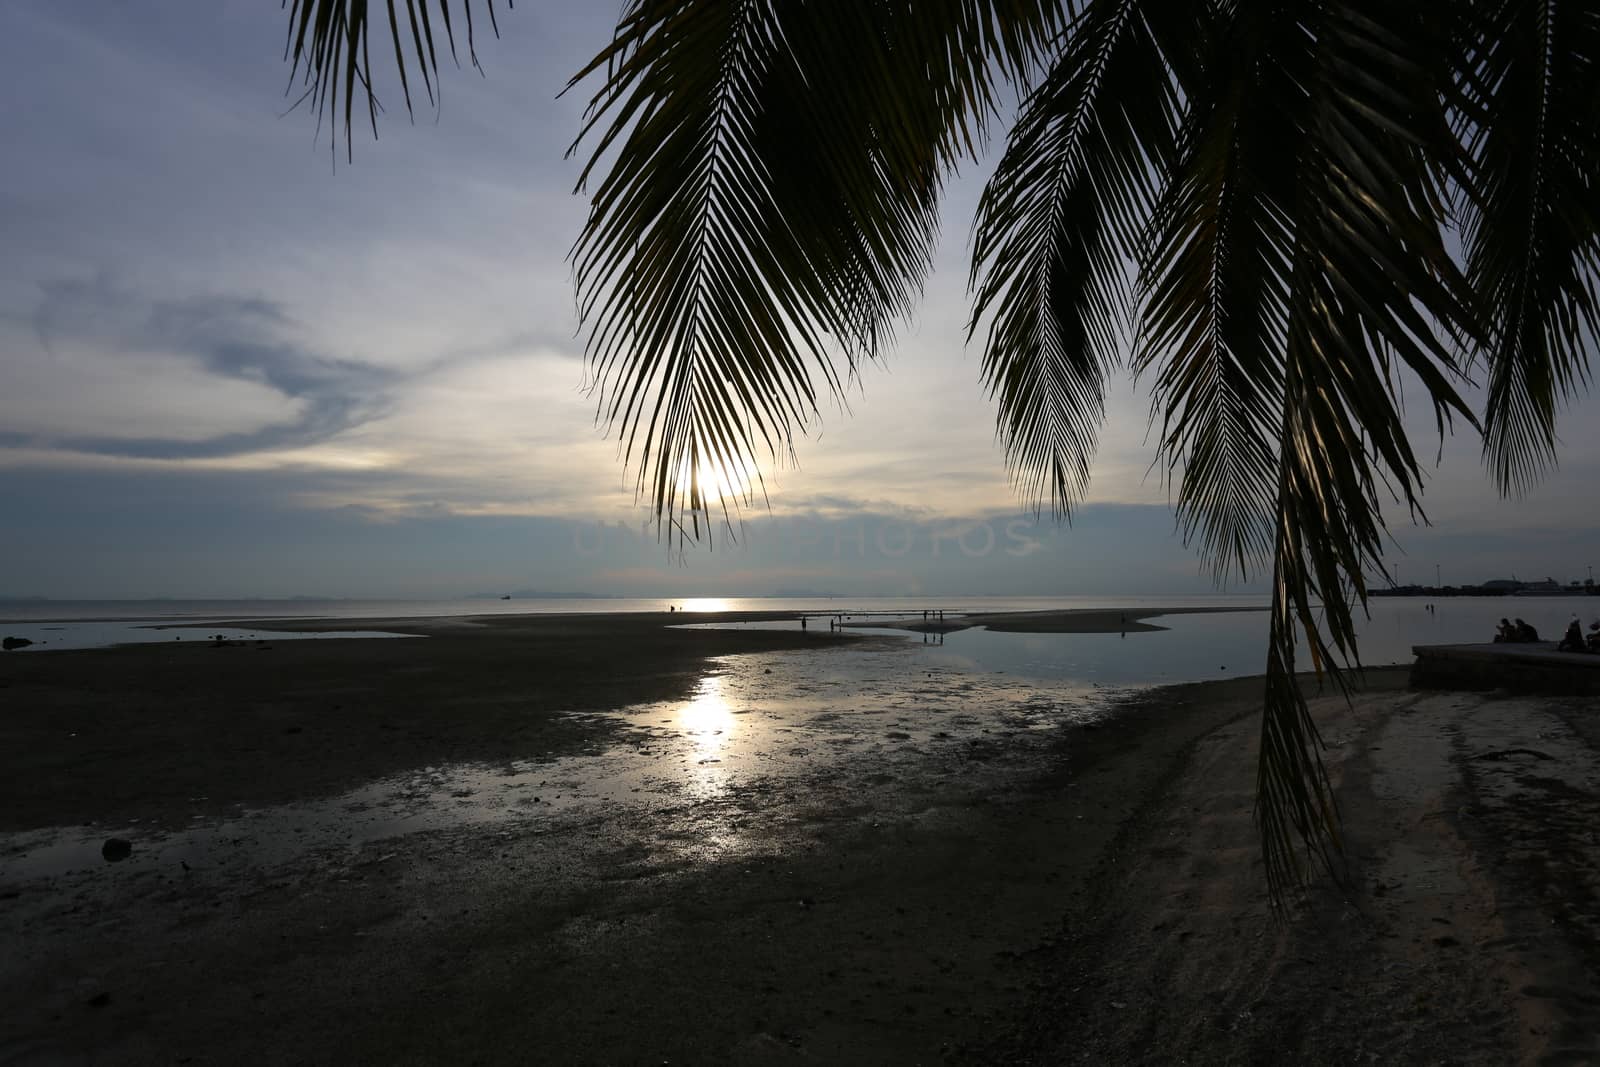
<point>712,482</point>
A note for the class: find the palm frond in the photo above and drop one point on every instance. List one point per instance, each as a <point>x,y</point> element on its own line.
<point>1299,263</point>
<point>1215,277</point>
<point>329,52</point>
<point>1054,241</point>
<point>1531,79</point>
<point>1373,287</point>
<point>763,219</point>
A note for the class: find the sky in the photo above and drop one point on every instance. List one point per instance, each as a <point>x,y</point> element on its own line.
<point>231,368</point>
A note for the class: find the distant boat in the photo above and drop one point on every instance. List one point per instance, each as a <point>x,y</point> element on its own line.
<point>506,597</point>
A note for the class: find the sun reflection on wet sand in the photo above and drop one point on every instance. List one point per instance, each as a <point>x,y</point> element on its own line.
<point>759,726</point>
<point>708,721</point>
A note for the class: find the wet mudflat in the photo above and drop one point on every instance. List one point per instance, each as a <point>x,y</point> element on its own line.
<point>831,852</point>
<point>797,851</point>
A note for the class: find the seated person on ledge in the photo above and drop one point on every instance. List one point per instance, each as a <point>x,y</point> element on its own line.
<point>1504,632</point>
<point>1572,640</point>
<point>1525,633</point>
<point>1594,636</point>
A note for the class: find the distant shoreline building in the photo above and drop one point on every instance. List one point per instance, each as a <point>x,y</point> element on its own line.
<point>1495,587</point>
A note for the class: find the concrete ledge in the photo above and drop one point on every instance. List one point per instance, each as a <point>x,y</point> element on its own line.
<point>1531,668</point>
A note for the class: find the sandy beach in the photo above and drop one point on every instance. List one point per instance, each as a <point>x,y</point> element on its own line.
<point>863,874</point>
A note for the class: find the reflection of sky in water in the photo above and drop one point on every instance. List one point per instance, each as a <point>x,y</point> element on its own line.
<point>1197,647</point>
<point>1200,647</point>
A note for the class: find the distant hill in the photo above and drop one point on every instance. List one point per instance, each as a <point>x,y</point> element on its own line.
<point>796,594</point>
<point>537,594</point>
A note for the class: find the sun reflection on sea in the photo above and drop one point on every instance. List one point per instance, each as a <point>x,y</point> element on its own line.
<point>704,603</point>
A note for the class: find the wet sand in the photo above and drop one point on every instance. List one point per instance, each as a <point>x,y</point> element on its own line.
<point>140,731</point>
<point>1042,887</point>
<point>1465,929</point>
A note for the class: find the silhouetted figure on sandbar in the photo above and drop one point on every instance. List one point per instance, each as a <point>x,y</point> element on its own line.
<point>1572,640</point>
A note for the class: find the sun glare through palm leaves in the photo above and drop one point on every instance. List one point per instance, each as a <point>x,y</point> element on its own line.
<point>712,486</point>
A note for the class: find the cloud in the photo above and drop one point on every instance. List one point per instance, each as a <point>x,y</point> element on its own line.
<point>225,336</point>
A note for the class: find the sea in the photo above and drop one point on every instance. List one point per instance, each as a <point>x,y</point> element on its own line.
<point>1191,647</point>
<point>331,608</point>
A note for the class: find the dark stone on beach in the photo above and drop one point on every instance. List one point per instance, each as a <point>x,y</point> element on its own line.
<point>293,729</point>
<point>99,1000</point>
<point>15,642</point>
<point>115,850</point>
<point>898,735</point>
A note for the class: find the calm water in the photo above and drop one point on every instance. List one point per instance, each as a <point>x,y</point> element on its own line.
<point>56,610</point>
<point>1200,647</point>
